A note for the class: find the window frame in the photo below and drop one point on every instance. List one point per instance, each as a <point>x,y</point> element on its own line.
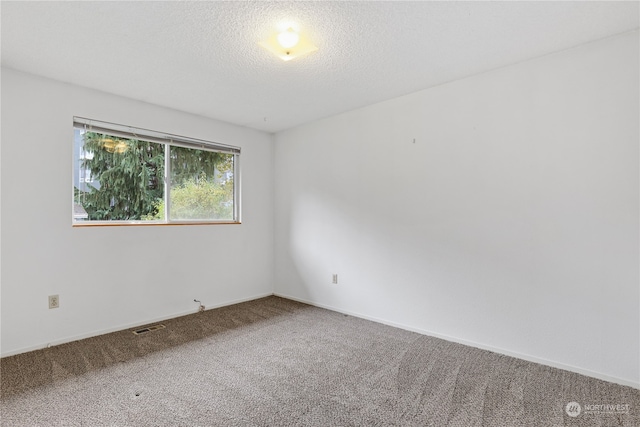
<point>167,140</point>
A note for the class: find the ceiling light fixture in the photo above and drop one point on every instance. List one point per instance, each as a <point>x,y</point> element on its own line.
<point>288,38</point>
<point>288,44</point>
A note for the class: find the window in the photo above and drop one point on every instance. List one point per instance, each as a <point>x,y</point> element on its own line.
<point>125,175</point>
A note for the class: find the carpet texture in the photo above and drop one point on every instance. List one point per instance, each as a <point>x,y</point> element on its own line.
<point>275,362</point>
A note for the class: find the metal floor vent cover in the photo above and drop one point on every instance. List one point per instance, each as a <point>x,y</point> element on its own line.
<point>148,329</point>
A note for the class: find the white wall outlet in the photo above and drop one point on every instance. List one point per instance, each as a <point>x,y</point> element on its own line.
<point>335,279</point>
<point>54,301</point>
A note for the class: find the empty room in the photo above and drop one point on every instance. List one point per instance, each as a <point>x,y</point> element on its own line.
<point>256,213</point>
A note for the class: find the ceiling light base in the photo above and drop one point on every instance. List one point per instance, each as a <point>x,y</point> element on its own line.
<point>303,47</point>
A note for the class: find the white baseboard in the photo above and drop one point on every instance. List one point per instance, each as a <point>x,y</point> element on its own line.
<point>127,326</point>
<point>526,357</point>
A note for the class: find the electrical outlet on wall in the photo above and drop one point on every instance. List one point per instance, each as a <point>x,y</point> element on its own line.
<point>54,301</point>
<point>335,279</point>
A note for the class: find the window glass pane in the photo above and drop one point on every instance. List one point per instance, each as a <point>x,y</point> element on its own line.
<point>117,179</point>
<point>201,185</point>
<point>119,176</point>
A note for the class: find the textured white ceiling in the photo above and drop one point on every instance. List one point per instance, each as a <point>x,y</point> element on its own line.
<point>204,57</point>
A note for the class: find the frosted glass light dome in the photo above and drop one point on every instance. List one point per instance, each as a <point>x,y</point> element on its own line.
<point>288,39</point>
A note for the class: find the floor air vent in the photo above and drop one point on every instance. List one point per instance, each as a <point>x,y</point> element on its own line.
<point>148,329</point>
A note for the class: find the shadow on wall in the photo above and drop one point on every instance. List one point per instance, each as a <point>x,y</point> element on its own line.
<point>415,274</point>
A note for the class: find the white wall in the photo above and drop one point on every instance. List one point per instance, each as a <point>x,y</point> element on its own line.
<point>113,277</point>
<point>512,222</point>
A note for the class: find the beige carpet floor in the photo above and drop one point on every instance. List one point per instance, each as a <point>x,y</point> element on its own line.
<point>275,362</point>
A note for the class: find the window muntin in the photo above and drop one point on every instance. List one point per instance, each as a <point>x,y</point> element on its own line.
<point>125,175</point>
